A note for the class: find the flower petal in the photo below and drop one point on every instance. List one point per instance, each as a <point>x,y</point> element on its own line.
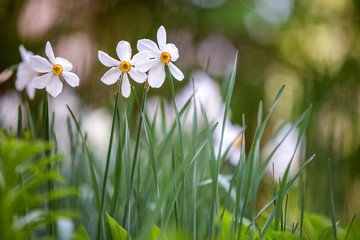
<point>123,50</point>
<point>67,66</point>
<point>30,90</point>
<point>145,66</point>
<point>40,64</point>
<point>157,75</point>
<point>173,51</point>
<point>71,78</point>
<point>125,86</point>
<point>142,56</point>
<point>137,76</point>
<point>41,81</point>
<point>50,53</point>
<point>55,86</point>
<point>25,74</point>
<point>147,44</point>
<point>107,60</point>
<point>161,38</point>
<point>142,62</point>
<point>176,72</point>
<point>111,76</point>
<point>25,54</point>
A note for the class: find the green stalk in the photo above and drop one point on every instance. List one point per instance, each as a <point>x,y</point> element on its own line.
<point>179,148</point>
<point>194,178</point>
<point>136,150</point>
<point>138,137</point>
<point>348,230</point>
<point>128,190</point>
<point>46,135</point>
<point>332,201</point>
<point>150,142</point>
<point>109,154</point>
<point>19,126</point>
<point>118,167</point>
<point>286,203</point>
<point>302,211</point>
<point>30,121</point>
<point>94,182</point>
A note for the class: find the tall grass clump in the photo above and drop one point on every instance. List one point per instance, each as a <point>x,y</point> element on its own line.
<point>158,180</point>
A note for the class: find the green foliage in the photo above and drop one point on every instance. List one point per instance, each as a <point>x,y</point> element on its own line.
<point>118,233</point>
<point>23,173</point>
<point>167,181</point>
<point>81,234</point>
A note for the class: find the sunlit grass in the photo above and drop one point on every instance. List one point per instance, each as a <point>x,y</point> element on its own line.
<point>163,182</point>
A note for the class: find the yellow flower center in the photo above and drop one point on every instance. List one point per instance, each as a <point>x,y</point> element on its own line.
<point>125,66</point>
<point>57,69</point>
<point>165,57</point>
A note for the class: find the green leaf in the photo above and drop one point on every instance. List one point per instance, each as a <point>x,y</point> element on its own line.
<point>284,236</point>
<point>118,233</point>
<point>19,126</point>
<point>81,234</point>
<point>155,233</point>
<point>332,201</point>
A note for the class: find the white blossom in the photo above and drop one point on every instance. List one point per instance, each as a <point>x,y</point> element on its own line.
<point>25,73</point>
<point>161,55</point>
<point>51,71</point>
<point>134,67</point>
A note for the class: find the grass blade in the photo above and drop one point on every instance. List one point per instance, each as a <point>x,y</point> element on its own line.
<point>109,153</point>
<point>194,177</point>
<point>179,148</point>
<point>30,121</point>
<point>332,201</point>
<point>118,167</point>
<point>139,133</point>
<point>302,211</point>
<point>347,232</point>
<point>19,125</point>
<point>94,183</point>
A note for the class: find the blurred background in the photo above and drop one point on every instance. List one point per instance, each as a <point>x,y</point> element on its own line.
<point>311,46</point>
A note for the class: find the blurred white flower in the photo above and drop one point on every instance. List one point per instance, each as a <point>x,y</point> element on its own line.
<point>275,11</point>
<point>216,55</point>
<point>25,73</point>
<point>161,55</point>
<point>81,50</point>
<point>232,140</point>
<point>37,17</point>
<point>208,98</point>
<point>97,125</point>
<point>9,103</point>
<point>58,106</point>
<point>52,70</point>
<point>154,107</point>
<point>284,153</point>
<point>135,67</point>
<point>65,228</point>
<point>209,3</point>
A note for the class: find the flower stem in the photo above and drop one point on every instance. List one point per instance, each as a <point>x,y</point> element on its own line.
<point>180,150</point>
<point>143,103</point>
<point>108,156</point>
<point>46,133</point>
<point>138,137</point>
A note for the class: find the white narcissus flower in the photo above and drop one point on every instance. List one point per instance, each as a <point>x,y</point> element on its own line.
<point>285,152</point>
<point>135,67</point>
<point>25,73</point>
<point>51,70</point>
<point>161,55</point>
